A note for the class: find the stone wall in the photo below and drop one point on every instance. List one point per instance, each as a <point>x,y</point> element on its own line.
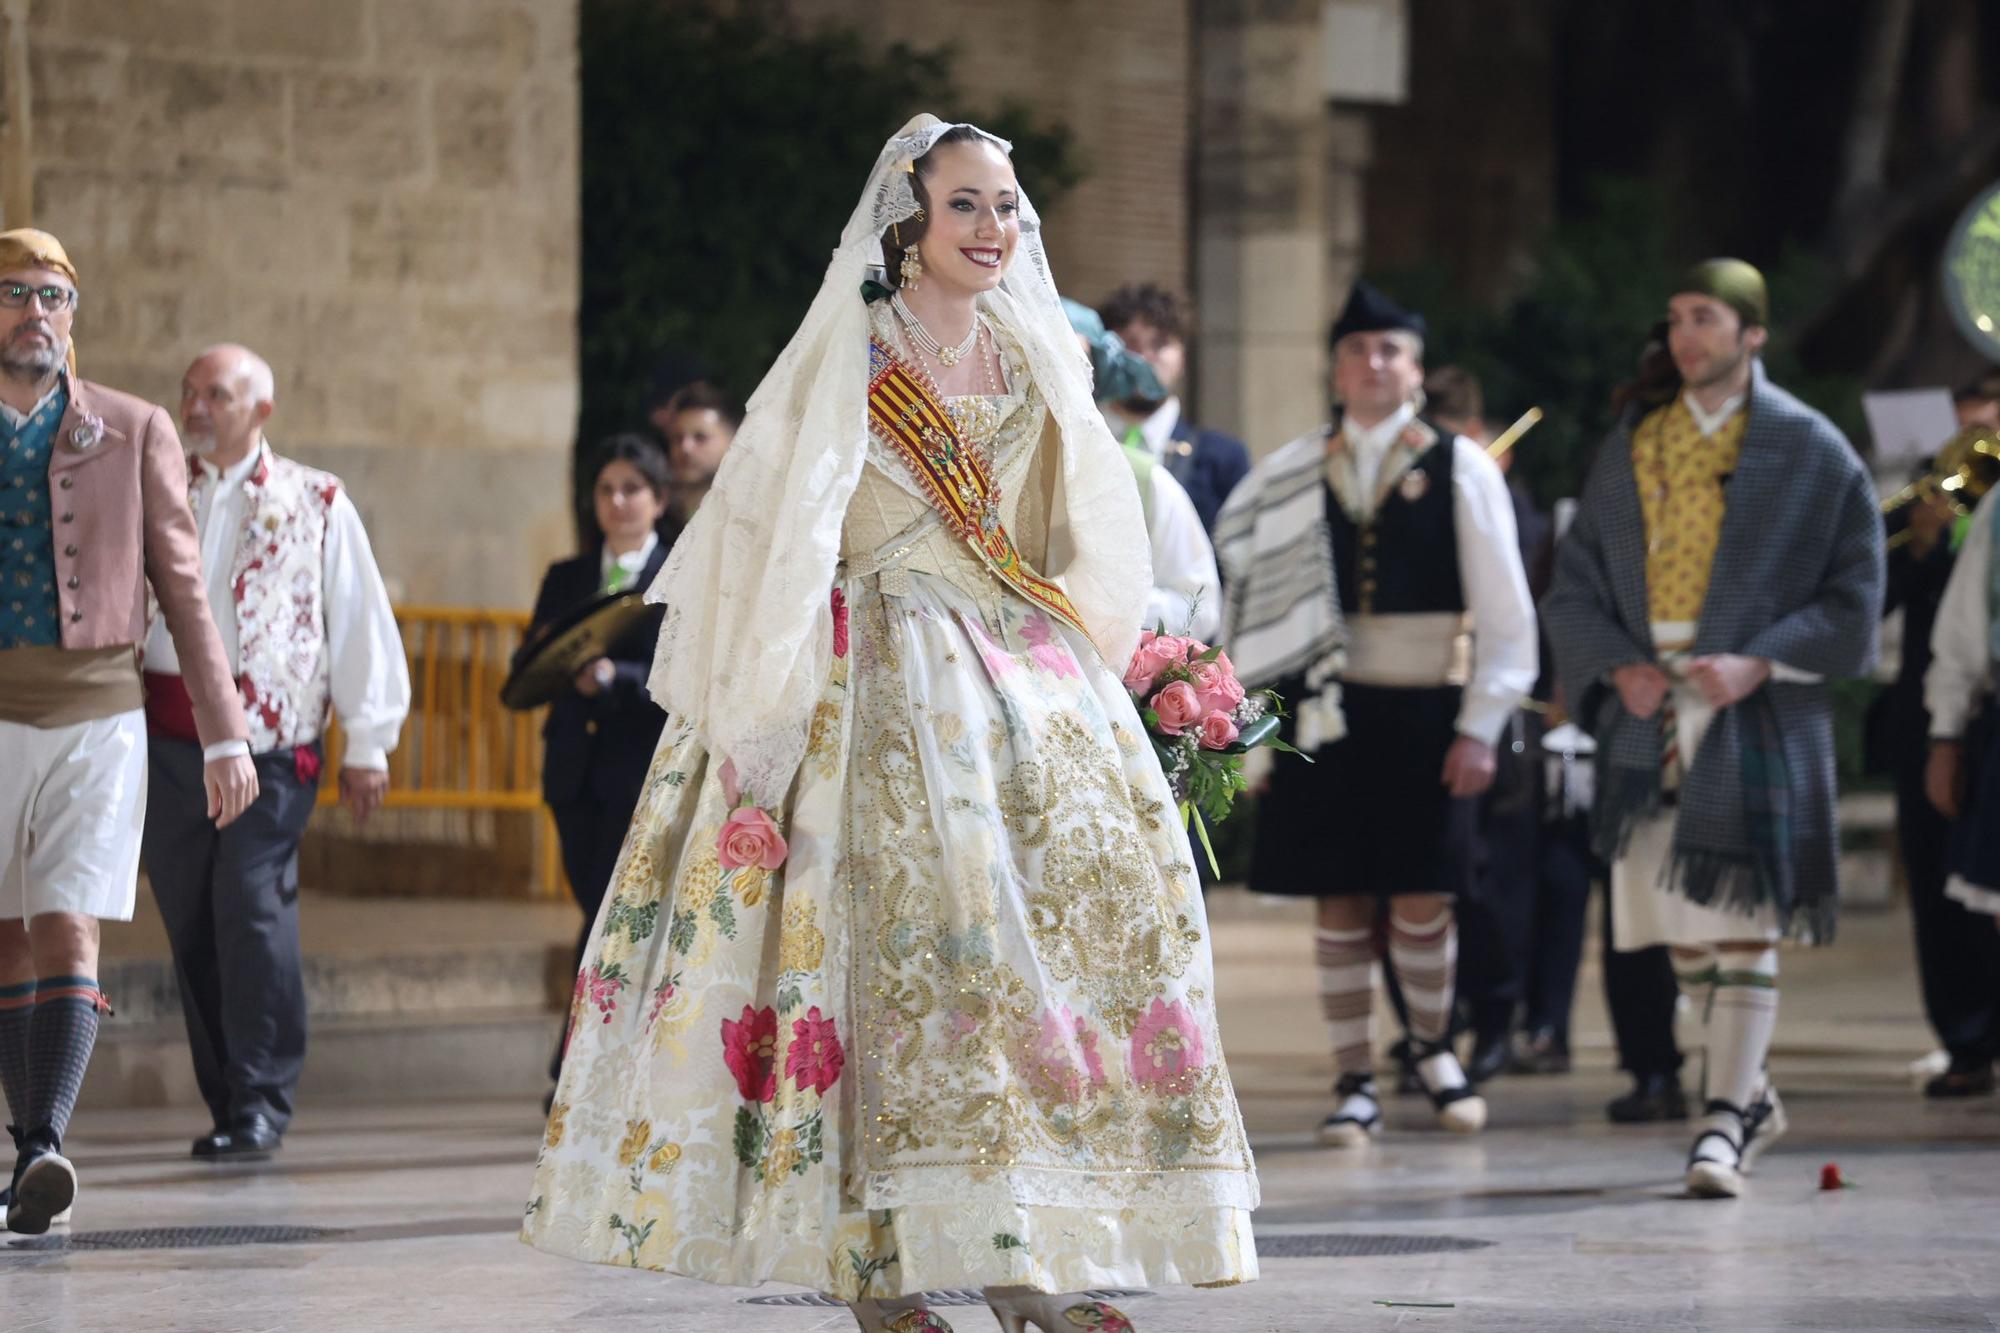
<point>378,195</point>
<point>1263,190</point>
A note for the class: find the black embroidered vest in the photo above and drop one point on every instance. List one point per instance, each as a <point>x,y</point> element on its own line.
<point>1405,559</point>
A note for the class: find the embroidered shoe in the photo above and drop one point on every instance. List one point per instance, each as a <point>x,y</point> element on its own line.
<point>1357,1118</point>
<point>1075,1312</point>
<point>1459,1106</point>
<point>874,1317</point>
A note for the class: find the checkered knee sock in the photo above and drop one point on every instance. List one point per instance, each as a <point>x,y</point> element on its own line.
<point>17,1009</point>
<point>1425,955</point>
<point>63,1031</point>
<point>1347,996</point>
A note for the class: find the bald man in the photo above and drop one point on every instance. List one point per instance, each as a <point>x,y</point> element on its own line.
<point>307,630</point>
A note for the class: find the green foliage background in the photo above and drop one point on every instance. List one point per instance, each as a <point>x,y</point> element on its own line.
<point>722,154</point>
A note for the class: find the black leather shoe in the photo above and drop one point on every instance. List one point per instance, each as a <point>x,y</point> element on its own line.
<point>1965,1078</point>
<point>1540,1051</point>
<point>252,1138</point>
<point>1489,1056</point>
<point>211,1143</point>
<point>1653,1097</point>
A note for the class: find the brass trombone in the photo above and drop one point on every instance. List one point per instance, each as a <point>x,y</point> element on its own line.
<point>1964,471</point>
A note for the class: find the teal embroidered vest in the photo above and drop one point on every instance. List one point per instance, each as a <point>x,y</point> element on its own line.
<point>29,615</point>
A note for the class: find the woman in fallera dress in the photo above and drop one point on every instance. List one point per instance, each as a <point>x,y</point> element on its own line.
<point>904,978</point>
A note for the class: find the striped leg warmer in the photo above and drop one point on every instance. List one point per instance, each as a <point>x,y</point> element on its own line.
<point>1425,958</point>
<point>1347,996</point>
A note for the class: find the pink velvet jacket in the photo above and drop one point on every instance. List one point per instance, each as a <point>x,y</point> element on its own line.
<point>118,487</point>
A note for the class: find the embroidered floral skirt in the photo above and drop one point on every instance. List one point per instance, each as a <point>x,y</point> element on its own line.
<point>964,1036</point>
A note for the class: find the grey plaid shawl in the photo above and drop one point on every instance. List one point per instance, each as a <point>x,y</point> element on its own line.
<point>1797,580</point>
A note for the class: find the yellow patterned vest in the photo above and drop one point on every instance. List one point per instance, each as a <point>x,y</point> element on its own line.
<point>1680,473</point>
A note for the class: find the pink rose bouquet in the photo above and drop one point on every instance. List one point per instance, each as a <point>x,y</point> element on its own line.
<point>1201,722</point>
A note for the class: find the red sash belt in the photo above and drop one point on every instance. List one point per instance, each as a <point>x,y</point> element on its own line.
<point>170,715</point>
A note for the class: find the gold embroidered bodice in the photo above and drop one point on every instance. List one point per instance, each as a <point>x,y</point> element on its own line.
<point>1009,430</point>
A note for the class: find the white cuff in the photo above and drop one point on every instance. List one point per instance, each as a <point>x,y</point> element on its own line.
<point>225,750</point>
<point>1790,675</point>
<point>373,758</point>
<point>1483,718</point>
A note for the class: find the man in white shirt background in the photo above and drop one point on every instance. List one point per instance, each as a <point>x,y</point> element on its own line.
<point>306,624</point>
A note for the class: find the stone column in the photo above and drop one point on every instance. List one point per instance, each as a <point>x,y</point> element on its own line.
<point>1260,254</point>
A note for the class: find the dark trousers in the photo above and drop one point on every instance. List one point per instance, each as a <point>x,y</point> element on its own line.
<point>1521,935</point>
<point>1640,990</point>
<point>1958,950</point>
<point>230,900</point>
<point>1555,939</point>
<point>591,831</point>
<point>1496,924</point>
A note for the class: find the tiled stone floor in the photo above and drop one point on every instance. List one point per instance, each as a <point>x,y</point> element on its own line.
<point>1582,1224</point>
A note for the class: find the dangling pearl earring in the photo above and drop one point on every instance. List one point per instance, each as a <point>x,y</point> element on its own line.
<point>912,269</point>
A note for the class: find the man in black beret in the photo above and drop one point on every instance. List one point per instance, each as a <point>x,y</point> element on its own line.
<point>1372,578</point>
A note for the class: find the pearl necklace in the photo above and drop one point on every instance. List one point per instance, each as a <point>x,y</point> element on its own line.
<point>946,356</point>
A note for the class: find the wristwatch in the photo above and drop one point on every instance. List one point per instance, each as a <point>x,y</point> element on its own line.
<point>605,673</point>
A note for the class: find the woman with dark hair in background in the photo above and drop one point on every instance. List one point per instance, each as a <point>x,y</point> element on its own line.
<point>599,735</point>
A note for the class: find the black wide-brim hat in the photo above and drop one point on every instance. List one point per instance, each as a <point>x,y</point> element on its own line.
<point>1369,311</point>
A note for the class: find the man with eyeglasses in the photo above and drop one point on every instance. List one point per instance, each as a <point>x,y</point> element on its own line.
<point>93,510</point>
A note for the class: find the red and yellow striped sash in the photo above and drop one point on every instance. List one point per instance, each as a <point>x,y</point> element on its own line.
<point>906,415</point>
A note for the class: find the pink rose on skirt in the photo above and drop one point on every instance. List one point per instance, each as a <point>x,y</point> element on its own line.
<point>1167,1053</point>
<point>750,838</point>
<point>1178,707</point>
<point>1217,731</point>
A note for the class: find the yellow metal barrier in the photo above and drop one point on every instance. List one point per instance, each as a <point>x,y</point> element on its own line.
<point>460,750</point>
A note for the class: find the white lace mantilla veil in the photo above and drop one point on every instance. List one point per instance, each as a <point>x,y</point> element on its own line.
<point>746,643</point>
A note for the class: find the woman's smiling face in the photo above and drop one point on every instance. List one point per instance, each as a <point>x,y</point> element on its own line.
<point>974,216</point>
